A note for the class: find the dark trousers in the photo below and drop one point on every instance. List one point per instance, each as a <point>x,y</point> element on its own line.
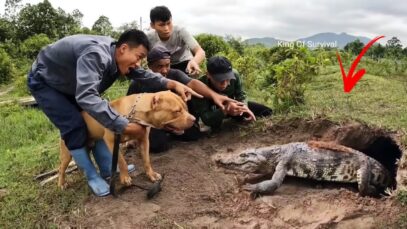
<point>62,110</point>
<point>160,139</point>
<point>181,66</point>
<point>259,110</point>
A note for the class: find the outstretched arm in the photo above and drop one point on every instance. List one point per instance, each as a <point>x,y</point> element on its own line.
<point>184,91</point>
<point>193,64</point>
<point>201,88</point>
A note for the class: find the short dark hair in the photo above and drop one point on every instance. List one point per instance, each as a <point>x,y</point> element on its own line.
<point>133,38</point>
<point>160,13</point>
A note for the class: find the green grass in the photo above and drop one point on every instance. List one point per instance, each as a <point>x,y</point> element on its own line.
<point>29,146</point>
<point>375,100</point>
<point>379,101</point>
<point>29,142</point>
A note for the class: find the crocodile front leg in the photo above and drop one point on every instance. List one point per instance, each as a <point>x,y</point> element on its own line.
<point>364,177</point>
<point>269,186</point>
<point>255,178</point>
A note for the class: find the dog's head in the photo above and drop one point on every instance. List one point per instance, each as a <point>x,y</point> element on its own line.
<point>169,112</point>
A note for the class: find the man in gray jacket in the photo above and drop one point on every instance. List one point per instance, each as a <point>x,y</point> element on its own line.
<point>69,75</point>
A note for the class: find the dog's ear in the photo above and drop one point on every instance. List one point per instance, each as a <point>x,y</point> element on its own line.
<point>155,101</point>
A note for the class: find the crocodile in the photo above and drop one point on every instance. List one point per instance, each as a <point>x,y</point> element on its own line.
<point>317,160</point>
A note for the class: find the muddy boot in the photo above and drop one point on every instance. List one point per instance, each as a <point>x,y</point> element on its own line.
<point>95,182</point>
<point>103,158</point>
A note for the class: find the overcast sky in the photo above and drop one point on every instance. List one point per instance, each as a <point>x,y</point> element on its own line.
<point>287,20</point>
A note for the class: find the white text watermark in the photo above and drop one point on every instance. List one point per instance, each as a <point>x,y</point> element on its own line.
<point>309,44</point>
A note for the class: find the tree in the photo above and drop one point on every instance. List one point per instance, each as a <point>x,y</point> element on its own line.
<point>394,48</point>
<point>102,26</point>
<point>35,19</point>
<point>43,18</point>
<point>11,8</point>
<point>235,43</point>
<point>6,30</point>
<point>67,24</point>
<point>32,45</point>
<point>77,16</point>
<point>212,44</point>
<point>8,20</point>
<point>405,51</point>
<point>127,26</point>
<point>376,51</point>
<point>354,47</point>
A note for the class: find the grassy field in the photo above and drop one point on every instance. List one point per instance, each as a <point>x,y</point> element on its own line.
<point>29,143</point>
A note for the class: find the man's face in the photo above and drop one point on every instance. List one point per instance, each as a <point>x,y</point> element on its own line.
<point>219,85</point>
<point>127,57</point>
<point>160,66</point>
<point>163,28</point>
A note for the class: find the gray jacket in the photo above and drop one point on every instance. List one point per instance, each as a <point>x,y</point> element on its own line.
<point>84,66</point>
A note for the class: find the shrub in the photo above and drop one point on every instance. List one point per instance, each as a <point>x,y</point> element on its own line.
<point>283,78</point>
<point>32,45</point>
<point>20,86</point>
<point>212,44</point>
<point>7,69</point>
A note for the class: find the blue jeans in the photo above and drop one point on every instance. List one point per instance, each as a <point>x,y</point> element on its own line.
<point>61,109</point>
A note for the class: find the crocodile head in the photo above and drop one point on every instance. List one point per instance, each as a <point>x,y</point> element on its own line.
<point>248,160</point>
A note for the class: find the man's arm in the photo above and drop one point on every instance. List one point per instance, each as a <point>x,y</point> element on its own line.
<point>199,87</point>
<point>203,89</point>
<point>197,51</point>
<point>184,91</point>
<point>148,80</point>
<point>156,82</point>
<point>199,54</point>
<point>88,71</point>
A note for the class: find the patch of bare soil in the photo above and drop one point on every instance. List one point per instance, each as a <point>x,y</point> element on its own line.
<point>198,194</point>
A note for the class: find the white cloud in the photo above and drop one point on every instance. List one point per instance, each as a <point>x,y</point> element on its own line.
<point>288,20</point>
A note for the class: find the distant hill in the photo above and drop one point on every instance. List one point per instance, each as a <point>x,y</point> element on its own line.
<point>267,41</point>
<point>325,39</point>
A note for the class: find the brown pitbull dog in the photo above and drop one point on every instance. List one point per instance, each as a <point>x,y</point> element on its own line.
<point>161,110</point>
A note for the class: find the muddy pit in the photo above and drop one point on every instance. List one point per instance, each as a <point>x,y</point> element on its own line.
<point>198,194</point>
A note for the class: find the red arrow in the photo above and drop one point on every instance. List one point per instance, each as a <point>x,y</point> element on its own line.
<point>350,80</point>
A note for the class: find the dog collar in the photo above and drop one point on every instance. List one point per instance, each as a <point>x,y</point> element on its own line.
<point>131,114</point>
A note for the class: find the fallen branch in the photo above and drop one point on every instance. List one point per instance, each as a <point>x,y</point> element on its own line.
<point>54,177</point>
<point>52,172</point>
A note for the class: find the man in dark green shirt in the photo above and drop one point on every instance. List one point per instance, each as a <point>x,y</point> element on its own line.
<point>224,80</point>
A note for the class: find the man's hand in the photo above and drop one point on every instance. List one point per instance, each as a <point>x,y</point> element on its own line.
<point>193,68</point>
<point>222,101</point>
<point>248,115</point>
<point>235,109</point>
<point>134,129</point>
<point>182,90</point>
<point>239,109</point>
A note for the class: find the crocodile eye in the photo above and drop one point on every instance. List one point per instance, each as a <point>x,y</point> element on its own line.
<point>243,155</point>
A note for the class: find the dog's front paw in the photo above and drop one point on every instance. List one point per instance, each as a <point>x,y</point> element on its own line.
<point>63,186</point>
<point>61,183</point>
<point>154,176</point>
<point>125,180</point>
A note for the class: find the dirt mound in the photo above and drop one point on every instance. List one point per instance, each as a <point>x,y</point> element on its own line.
<point>196,193</point>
